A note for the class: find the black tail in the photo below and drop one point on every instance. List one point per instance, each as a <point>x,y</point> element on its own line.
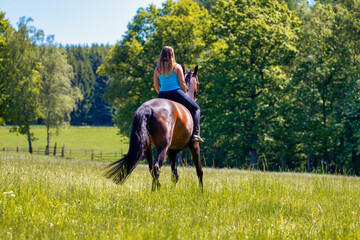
<point>121,169</point>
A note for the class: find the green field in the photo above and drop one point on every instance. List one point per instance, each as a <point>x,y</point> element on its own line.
<point>76,139</point>
<point>92,138</point>
<point>54,198</point>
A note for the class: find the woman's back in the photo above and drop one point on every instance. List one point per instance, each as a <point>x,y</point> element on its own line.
<point>170,82</point>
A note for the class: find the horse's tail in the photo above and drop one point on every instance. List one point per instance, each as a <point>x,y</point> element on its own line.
<point>139,138</point>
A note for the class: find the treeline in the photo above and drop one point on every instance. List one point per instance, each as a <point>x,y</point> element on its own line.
<point>279,81</point>
<point>44,83</point>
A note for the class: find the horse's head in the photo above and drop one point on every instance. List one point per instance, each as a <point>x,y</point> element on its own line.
<point>192,82</point>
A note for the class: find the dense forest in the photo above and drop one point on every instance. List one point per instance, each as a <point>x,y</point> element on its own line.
<point>93,109</point>
<point>279,80</point>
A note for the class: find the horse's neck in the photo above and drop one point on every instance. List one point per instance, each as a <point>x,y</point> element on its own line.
<point>190,92</point>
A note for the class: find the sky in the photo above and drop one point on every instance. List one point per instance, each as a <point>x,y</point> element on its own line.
<point>77,21</point>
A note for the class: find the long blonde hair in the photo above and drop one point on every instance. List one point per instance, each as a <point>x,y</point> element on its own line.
<point>166,61</point>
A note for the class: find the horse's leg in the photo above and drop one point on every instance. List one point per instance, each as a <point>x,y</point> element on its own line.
<point>149,158</point>
<point>172,157</point>
<point>161,156</point>
<point>195,154</point>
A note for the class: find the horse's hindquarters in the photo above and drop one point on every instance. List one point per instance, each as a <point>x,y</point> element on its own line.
<point>170,125</point>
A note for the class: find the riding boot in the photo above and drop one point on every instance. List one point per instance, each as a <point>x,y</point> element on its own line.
<point>196,133</point>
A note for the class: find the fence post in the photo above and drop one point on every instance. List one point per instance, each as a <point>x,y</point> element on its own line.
<point>63,151</point>
<point>92,155</point>
<point>47,150</point>
<point>17,149</point>
<point>55,149</point>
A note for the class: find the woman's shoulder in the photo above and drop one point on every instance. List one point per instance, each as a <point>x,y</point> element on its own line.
<point>178,67</point>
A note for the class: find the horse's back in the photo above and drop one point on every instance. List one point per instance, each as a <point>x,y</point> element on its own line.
<point>170,123</point>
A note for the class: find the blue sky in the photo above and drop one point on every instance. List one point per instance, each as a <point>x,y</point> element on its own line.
<point>77,21</point>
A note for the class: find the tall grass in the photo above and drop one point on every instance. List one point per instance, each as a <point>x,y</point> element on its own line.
<point>51,198</point>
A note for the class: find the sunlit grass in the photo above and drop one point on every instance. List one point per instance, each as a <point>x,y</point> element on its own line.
<point>53,198</point>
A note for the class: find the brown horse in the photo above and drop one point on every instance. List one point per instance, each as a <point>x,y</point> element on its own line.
<point>168,126</point>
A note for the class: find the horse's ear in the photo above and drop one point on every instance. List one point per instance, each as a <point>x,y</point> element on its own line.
<point>183,68</point>
<point>196,70</point>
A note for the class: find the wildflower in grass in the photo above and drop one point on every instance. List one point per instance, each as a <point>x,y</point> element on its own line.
<point>11,193</point>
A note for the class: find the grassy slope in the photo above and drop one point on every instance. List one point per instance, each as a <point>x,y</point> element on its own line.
<point>52,198</point>
<point>91,138</point>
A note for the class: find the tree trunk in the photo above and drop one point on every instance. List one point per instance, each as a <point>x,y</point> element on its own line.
<point>29,140</point>
<point>325,141</point>
<point>55,149</point>
<point>309,162</point>
<point>253,152</point>
<point>47,152</point>
<point>355,160</point>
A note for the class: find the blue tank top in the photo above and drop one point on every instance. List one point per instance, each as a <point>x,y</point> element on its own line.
<point>169,83</point>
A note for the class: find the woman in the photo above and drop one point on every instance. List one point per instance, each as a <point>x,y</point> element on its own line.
<point>169,83</point>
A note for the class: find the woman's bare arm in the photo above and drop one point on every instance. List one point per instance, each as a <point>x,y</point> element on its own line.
<point>180,74</point>
<point>156,80</point>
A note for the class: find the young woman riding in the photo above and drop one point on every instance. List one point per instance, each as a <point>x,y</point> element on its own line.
<point>169,83</point>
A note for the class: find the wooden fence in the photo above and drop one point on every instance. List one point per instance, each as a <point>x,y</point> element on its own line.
<point>183,158</point>
<point>71,153</point>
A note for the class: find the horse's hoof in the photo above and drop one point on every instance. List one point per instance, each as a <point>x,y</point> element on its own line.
<point>175,178</point>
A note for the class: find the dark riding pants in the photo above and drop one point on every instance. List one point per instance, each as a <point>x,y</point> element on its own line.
<point>179,96</point>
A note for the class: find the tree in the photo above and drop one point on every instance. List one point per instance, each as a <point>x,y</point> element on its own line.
<point>4,25</point>
<point>57,97</point>
<point>21,77</point>
<point>248,70</point>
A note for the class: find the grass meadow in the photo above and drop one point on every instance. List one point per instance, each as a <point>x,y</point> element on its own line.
<point>53,198</point>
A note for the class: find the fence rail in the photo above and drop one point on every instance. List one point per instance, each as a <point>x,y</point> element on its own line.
<point>71,153</point>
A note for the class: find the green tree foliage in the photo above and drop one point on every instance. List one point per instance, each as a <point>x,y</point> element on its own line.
<point>247,76</point>
<point>57,97</point>
<point>92,110</point>
<point>299,7</point>
<point>132,61</point>
<point>4,25</point>
<point>20,77</point>
<point>208,4</point>
<point>327,73</point>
